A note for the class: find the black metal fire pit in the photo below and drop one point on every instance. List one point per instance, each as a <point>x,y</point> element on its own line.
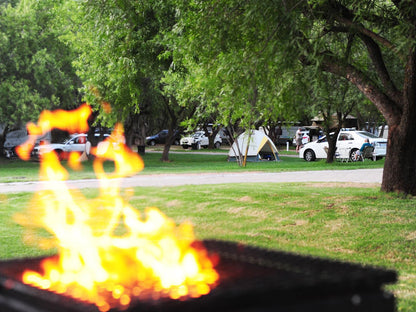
<point>251,279</point>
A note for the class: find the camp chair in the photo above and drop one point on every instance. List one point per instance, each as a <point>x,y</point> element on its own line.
<point>367,153</point>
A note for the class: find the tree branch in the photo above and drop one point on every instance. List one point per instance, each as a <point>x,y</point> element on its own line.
<point>362,30</point>
<point>346,17</point>
<point>407,9</point>
<point>380,67</point>
<point>386,105</point>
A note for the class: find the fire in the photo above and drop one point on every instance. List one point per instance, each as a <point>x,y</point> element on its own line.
<point>109,253</point>
<point>71,121</point>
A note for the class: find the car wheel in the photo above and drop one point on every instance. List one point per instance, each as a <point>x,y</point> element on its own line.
<point>185,146</point>
<point>217,145</point>
<point>309,155</point>
<point>152,143</point>
<point>353,154</point>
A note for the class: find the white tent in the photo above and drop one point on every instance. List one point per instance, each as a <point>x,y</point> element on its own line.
<point>260,147</point>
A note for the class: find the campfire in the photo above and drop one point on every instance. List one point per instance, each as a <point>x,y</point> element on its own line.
<point>108,252</point>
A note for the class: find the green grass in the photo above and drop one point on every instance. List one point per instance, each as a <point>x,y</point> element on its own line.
<point>352,224</point>
<point>17,170</point>
<point>359,225</point>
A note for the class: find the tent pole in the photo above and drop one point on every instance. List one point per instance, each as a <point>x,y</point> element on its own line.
<point>247,146</point>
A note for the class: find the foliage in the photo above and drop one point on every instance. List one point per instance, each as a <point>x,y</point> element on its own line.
<point>232,72</point>
<point>35,71</point>
<point>123,59</point>
<point>120,49</point>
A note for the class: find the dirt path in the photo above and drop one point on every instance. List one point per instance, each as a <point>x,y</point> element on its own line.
<point>366,176</point>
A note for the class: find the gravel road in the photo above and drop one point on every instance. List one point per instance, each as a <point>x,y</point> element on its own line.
<point>372,176</point>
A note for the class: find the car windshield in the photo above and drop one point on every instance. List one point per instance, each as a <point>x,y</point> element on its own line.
<point>323,139</point>
<point>366,134</point>
<point>197,134</point>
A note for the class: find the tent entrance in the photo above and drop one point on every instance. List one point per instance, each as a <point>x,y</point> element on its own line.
<point>259,147</point>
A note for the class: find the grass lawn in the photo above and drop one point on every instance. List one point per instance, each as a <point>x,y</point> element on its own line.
<point>187,161</point>
<point>358,224</point>
<point>354,223</point>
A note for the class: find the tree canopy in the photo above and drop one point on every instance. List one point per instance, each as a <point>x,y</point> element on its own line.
<point>123,59</point>
<point>35,71</point>
<point>239,60</point>
<point>369,43</point>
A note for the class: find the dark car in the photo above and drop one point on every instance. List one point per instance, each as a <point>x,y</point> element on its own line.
<point>10,152</point>
<point>160,138</point>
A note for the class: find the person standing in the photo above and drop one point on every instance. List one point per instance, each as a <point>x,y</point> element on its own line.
<point>298,138</point>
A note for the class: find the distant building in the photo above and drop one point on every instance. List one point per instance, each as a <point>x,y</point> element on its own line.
<point>350,121</point>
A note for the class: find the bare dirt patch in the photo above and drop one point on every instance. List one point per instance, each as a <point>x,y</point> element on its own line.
<point>411,236</point>
<point>173,203</point>
<point>245,199</point>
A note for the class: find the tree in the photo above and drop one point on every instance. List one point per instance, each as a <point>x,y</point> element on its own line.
<point>227,73</point>
<point>35,71</point>
<point>123,60</point>
<point>113,59</point>
<point>387,33</point>
<point>334,99</point>
<point>382,64</point>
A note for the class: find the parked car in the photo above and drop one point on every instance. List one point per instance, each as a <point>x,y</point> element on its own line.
<point>76,143</point>
<point>10,152</point>
<point>348,143</point>
<point>160,138</point>
<point>199,140</point>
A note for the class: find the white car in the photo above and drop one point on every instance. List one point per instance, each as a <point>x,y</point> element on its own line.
<point>199,140</point>
<point>348,143</point>
<point>76,143</point>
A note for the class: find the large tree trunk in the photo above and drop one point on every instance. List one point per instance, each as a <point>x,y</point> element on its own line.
<point>3,139</point>
<point>211,136</point>
<point>131,129</point>
<point>332,146</point>
<point>165,154</point>
<point>168,144</point>
<point>400,167</point>
<point>399,110</point>
<point>140,134</point>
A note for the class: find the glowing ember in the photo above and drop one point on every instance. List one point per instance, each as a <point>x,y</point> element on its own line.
<point>109,253</point>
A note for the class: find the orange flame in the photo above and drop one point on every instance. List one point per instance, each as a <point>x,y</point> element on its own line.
<point>109,254</point>
<point>71,121</point>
